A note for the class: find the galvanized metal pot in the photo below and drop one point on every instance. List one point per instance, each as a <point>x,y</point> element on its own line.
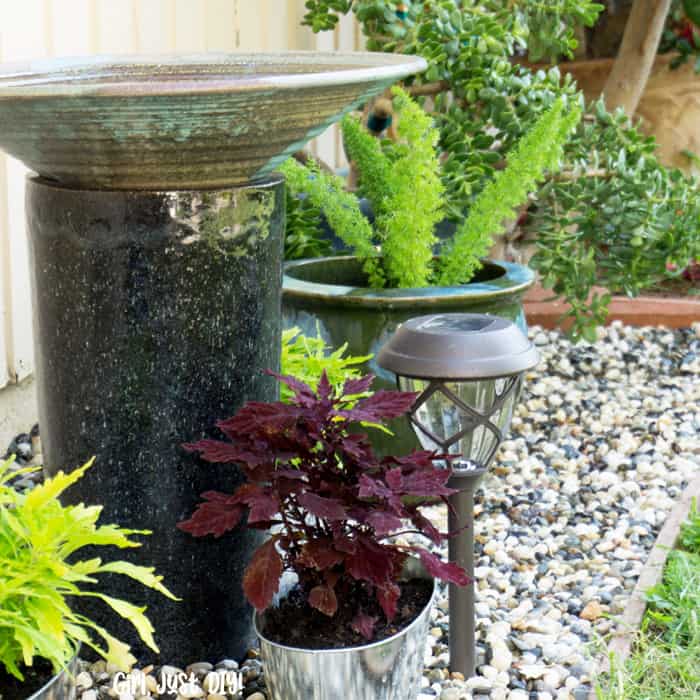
<point>386,670</point>
<point>61,686</point>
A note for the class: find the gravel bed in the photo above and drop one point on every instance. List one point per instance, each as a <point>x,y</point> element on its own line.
<point>602,444</point>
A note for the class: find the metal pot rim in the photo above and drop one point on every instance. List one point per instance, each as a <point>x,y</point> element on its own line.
<point>69,669</point>
<point>344,650</point>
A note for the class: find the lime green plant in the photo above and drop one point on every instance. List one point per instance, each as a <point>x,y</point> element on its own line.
<point>306,359</point>
<point>402,180</point>
<point>404,184</point>
<point>41,573</point>
<point>537,153</point>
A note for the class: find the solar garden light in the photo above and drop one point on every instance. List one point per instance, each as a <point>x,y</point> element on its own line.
<point>467,370</point>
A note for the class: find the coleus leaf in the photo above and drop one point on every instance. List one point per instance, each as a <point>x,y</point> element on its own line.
<point>388,597</point>
<point>264,505</point>
<point>325,388</point>
<point>218,451</point>
<point>260,419</point>
<point>326,508</point>
<point>394,479</point>
<point>383,522</point>
<point>426,482</point>
<point>304,395</point>
<point>320,554</point>
<point>364,624</point>
<point>214,516</point>
<point>262,501</point>
<point>323,598</point>
<point>357,447</point>
<point>371,488</point>
<point>426,527</point>
<point>379,407</point>
<point>370,561</point>
<point>358,386</point>
<point>262,577</point>
<point>416,458</point>
<point>445,571</point>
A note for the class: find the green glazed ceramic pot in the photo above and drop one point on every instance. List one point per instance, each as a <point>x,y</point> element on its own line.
<point>329,297</point>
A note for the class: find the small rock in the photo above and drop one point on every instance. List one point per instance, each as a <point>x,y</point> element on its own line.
<point>518,695</point>
<point>592,611</point>
<point>83,680</point>
<point>201,668</point>
<point>170,671</point>
<point>190,690</point>
<point>501,656</point>
<point>532,671</point>
<point>455,694</point>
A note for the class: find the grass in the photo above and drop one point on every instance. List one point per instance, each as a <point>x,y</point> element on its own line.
<point>665,664</point>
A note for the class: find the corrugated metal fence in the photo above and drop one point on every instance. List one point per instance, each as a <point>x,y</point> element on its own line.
<point>41,28</point>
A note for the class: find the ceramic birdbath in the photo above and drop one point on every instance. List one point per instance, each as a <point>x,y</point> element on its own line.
<point>155,222</point>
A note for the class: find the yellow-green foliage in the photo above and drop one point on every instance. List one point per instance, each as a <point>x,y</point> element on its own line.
<point>306,358</point>
<point>405,189</point>
<point>41,573</point>
<point>403,182</point>
<point>341,209</point>
<point>539,151</point>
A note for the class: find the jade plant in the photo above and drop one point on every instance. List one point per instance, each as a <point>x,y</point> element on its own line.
<point>44,569</point>
<point>331,503</point>
<point>612,216</point>
<point>403,181</point>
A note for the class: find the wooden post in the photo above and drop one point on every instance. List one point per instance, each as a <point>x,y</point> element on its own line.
<point>635,59</point>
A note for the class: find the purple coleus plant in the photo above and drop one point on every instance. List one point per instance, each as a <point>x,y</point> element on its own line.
<point>331,503</point>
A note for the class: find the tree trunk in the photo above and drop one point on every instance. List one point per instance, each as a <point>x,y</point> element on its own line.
<point>633,64</point>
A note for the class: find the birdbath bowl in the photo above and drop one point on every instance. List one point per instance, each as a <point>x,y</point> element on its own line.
<point>155,227</point>
<point>180,121</point>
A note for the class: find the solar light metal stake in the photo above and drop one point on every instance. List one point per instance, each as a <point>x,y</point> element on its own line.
<point>467,370</point>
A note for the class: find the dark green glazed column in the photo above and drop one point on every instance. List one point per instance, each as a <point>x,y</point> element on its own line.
<point>155,316</point>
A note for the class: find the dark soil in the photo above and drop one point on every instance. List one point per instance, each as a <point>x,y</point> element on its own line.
<point>35,677</point>
<point>674,288</point>
<point>295,623</point>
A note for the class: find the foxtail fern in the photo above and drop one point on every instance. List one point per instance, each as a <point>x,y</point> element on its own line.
<point>415,204</point>
<point>539,151</point>
<point>404,186</point>
<point>341,209</point>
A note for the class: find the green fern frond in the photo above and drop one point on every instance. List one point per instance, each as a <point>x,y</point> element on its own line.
<point>340,208</point>
<point>415,202</point>
<point>373,166</point>
<point>538,152</point>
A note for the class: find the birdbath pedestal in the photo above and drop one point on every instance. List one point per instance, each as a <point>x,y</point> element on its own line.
<point>155,226</point>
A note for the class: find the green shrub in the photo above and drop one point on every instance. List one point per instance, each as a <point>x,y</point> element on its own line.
<point>614,216</point>
<point>42,573</point>
<point>404,185</point>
